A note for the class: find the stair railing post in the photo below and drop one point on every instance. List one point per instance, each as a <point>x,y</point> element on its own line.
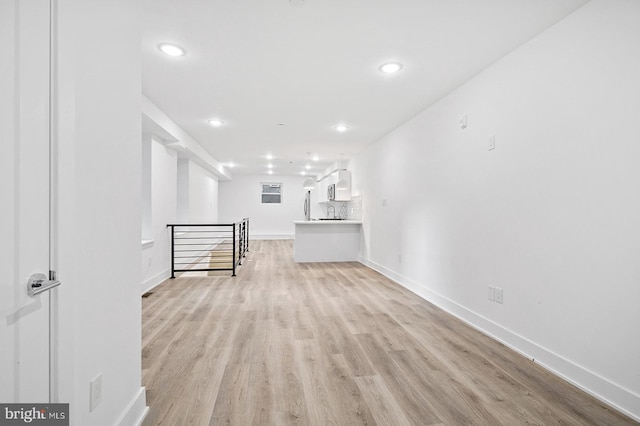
<point>239,243</point>
<point>247,241</point>
<point>233,254</point>
<point>173,254</point>
<point>244,236</point>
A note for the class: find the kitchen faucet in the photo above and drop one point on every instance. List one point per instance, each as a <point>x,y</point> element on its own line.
<point>334,211</point>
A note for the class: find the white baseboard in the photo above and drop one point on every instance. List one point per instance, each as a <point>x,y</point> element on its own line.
<point>612,394</point>
<point>136,411</point>
<point>156,280</point>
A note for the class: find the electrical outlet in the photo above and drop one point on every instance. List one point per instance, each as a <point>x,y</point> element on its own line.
<point>492,142</point>
<point>463,121</point>
<point>384,202</point>
<point>498,295</point>
<point>492,293</point>
<point>95,392</point>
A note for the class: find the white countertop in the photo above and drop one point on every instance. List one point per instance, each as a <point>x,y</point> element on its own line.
<point>327,222</point>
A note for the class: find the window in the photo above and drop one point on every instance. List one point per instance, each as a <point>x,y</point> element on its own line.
<point>271,193</point>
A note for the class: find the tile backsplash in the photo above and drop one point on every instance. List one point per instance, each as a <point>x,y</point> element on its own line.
<point>351,210</point>
<point>354,208</point>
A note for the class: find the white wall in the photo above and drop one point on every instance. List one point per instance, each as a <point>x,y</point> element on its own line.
<point>181,192</point>
<point>550,215</point>
<point>203,195</point>
<point>97,225</point>
<point>156,261</point>
<point>240,198</point>
<point>180,187</point>
<point>197,193</point>
<point>147,227</point>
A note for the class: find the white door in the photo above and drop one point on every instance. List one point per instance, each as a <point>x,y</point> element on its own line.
<point>24,199</point>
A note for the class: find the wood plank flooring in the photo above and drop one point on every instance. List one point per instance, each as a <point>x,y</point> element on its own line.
<point>334,344</point>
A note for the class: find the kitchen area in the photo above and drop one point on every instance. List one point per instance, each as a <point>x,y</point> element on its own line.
<point>333,236</point>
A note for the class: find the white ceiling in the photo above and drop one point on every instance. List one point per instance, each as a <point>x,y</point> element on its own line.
<point>281,74</point>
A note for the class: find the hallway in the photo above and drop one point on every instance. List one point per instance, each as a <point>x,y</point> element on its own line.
<point>316,344</point>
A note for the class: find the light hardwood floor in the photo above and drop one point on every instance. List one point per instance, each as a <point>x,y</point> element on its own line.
<point>334,344</point>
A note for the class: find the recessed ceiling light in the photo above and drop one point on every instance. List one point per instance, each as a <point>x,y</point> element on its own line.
<point>308,166</point>
<point>315,157</point>
<point>341,128</point>
<point>390,67</point>
<point>171,49</point>
<point>269,156</point>
<point>270,166</point>
<point>216,122</point>
<point>230,164</point>
<point>269,172</point>
<point>303,173</point>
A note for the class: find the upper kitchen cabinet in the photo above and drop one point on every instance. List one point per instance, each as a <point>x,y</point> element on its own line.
<point>342,180</point>
<point>322,190</point>
<point>335,186</point>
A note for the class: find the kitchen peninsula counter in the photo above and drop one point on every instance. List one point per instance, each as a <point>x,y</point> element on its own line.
<point>326,240</point>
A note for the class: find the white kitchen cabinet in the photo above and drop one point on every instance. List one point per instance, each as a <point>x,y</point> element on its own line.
<point>343,185</point>
<point>327,241</point>
<point>343,194</point>
<point>322,190</point>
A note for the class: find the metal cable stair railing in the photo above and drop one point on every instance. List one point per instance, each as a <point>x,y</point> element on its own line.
<point>208,247</point>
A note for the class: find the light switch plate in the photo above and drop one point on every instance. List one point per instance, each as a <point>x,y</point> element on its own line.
<point>95,392</point>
